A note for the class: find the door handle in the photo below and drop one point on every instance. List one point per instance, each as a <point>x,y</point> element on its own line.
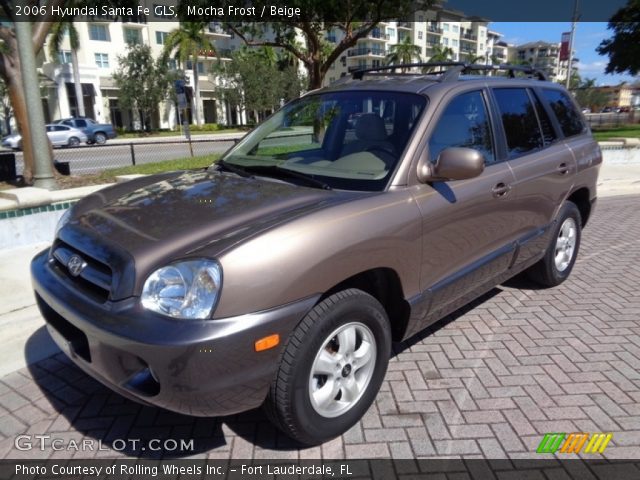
<point>563,168</point>
<point>500,190</point>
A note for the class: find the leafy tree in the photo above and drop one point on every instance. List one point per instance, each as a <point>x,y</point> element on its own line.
<point>353,20</point>
<point>187,42</point>
<point>143,82</point>
<point>58,33</point>
<point>243,81</point>
<point>623,49</point>
<point>403,53</point>
<point>588,95</point>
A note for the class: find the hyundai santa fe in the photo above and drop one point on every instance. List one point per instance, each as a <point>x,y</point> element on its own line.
<point>355,216</point>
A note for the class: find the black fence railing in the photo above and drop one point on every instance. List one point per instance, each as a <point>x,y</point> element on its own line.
<point>612,119</point>
<point>93,159</point>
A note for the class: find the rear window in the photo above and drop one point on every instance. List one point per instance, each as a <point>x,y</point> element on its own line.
<point>565,111</point>
<point>519,121</point>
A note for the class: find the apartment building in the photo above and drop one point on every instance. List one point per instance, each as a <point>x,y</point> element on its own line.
<point>468,38</point>
<point>618,95</point>
<point>101,42</point>
<point>100,45</point>
<point>542,55</point>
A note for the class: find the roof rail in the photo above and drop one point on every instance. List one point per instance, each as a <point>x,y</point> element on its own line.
<point>455,70</point>
<point>359,74</point>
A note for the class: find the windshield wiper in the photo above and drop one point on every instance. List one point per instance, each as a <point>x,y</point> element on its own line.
<point>278,172</point>
<point>229,167</point>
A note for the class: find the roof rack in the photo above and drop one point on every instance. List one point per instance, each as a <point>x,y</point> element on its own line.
<point>456,69</point>
<point>359,74</point>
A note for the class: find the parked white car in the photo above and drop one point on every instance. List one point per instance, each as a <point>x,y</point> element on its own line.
<point>59,135</point>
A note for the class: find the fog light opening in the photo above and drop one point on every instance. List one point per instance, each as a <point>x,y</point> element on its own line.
<point>144,382</point>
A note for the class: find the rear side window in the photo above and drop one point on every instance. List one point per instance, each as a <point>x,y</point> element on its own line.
<point>548,132</point>
<point>464,123</point>
<point>519,120</point>
<point>565,111</point>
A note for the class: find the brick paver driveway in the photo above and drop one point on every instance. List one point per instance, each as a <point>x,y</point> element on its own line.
<point>517,364</point>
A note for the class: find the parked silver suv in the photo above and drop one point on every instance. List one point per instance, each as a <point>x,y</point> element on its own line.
<point>355,216</point>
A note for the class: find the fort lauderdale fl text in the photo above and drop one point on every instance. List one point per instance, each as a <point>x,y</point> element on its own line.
<point>170,469</point>
<point>163,11</point>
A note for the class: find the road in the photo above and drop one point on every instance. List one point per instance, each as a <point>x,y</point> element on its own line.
<point>487,382</point>
<point>97,158</point>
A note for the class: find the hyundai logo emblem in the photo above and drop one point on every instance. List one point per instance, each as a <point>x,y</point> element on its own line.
<point>76,265</point>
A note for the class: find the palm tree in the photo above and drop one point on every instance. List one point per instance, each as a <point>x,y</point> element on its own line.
<point>403,53</point>
<point>441,53</point>
<point>186,42</point>
<point>58,33</point>
<point>473,59</point>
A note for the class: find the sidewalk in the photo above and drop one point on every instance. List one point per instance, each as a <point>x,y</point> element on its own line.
<point>20,319</point>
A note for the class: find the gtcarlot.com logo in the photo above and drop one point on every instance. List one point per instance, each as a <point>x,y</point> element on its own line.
<point>574,442</point>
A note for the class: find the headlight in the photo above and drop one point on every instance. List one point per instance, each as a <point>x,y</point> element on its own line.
<point>187,290</point>
<point>64,219</point>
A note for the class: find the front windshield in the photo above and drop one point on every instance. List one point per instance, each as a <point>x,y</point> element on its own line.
<point>347,140</point>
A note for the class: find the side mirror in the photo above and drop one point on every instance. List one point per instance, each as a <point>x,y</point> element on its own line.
<point>453,163</point>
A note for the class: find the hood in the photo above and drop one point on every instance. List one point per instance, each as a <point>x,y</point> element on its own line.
<point>159,218</point>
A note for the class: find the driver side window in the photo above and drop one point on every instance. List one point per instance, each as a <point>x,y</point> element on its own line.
<point>464,123</point>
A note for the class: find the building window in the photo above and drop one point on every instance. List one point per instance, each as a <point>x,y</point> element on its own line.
<point>445,27</point>
<point>132,36</point>
<point>454,42</point>
<point>419,35</point>
<point>455,29</point>
<point>421,18</point>
<point>172,64</point>
<point>445,41</point>
<point>99,33</point>
<point>102,60</point>
<point>64,56</point>
<point>391,32</point>
<point>200,67</point>
<point>161,37</point>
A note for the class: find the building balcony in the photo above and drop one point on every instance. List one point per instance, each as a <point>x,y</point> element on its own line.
<point>367,52</point>
<point>377,35</point>
<point>405,25</point>
<point>469,37</point>
<point>215,29</point>
<point>434,29</point>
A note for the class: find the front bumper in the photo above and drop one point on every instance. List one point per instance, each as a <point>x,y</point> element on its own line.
<point>201,368</point>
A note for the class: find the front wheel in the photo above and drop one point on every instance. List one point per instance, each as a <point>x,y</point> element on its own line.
<point>331,368</point>
<point>558,261</point>
<point>74,142</point>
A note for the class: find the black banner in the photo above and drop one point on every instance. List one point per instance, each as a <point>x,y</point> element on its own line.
<point>318,469</point>
<point>144,11</point>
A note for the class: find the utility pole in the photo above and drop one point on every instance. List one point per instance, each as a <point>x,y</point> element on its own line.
<point>43,166</point>
<point>574,21</point>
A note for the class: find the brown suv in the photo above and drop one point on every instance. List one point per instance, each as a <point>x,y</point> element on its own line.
<point>355,216</point>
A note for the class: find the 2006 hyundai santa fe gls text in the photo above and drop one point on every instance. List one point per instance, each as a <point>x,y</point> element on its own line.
<point>355,216</point>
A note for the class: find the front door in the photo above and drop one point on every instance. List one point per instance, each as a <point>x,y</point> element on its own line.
<point>469,227</point>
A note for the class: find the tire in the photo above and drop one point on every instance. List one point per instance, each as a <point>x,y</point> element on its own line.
<point>557,263</point>
<point>73,142</point>
<point>100,138</point>
<point>296,403</point>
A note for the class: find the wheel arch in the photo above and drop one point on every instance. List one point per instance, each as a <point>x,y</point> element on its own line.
<point>581,197</point>
<point>384,285</point>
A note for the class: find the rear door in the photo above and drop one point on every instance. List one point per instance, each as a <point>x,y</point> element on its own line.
<point>469,225</point>
<point>542,163</point>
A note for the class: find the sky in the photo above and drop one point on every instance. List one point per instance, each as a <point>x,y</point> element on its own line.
<point>587,38</point>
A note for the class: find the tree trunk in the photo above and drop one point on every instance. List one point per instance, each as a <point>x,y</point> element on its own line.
<point>77,84</point>
<point>16,95</point>
<point>196,91</point>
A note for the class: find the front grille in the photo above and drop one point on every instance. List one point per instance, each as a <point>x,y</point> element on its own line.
<point>94,280</point>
